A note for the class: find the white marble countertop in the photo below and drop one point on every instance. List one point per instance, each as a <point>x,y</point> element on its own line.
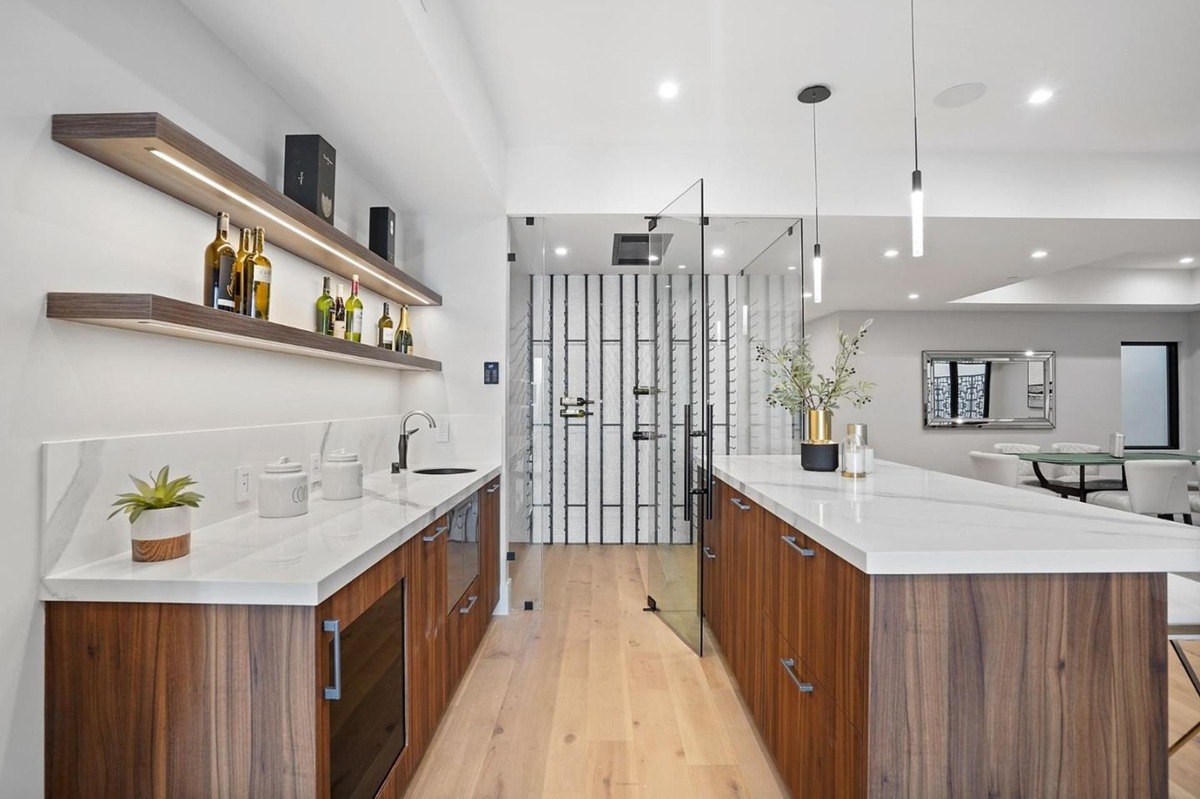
<point>304,560</point>
<point>905,520</point>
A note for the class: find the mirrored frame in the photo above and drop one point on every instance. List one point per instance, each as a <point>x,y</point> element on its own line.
<point>1040,390</point>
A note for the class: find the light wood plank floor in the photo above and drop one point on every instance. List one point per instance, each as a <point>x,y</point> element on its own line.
<point>593,697</point>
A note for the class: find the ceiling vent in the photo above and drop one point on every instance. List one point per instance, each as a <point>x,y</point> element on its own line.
<point>635,249</point>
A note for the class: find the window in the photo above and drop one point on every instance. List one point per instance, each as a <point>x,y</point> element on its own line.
<point>1150,394</point>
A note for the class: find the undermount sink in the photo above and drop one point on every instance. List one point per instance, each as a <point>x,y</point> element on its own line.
<point>445,470</point>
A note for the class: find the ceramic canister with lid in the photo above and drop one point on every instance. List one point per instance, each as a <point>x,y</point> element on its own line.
<point>341,476</point>
<point>282,490</point>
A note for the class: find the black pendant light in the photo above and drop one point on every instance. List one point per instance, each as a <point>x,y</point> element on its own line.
<point>812,95</point>
<point>918,195</point>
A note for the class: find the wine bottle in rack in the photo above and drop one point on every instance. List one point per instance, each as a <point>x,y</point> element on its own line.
<point>404,336</point>
<point>339,315</point>
<point>259,278</point>
<point>325,311</point>
<point>218,268</point>
<point>386,327</point>
<point>243,262</point>
<point>354,312</point>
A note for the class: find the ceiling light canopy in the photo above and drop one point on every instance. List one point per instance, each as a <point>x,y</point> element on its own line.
<point>1040,96</point>
<point>668,90</point>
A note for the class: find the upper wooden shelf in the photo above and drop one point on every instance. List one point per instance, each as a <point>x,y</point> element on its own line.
<point>150,313</point>
<point>159,153</point>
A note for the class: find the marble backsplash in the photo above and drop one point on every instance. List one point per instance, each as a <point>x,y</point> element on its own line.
<point>81,478</point>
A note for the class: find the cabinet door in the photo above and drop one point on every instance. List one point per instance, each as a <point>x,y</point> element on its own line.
<point>712,580</point>
<point>428,597</point>
<point>833,627</point>
<point>464,624</point>
<point>742,540</point>
<point>489,544</point>
<point>780,720</point>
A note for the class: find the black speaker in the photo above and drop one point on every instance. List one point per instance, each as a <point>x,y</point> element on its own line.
<point>309,167</point>
<point>383,233</point>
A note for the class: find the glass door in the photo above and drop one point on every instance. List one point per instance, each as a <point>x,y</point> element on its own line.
<point>678,411</point>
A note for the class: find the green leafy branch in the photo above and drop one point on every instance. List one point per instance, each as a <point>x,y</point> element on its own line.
<point>798,387</point>
<point>160,492</point>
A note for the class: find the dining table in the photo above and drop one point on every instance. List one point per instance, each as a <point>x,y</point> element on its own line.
<point>1083,460</point>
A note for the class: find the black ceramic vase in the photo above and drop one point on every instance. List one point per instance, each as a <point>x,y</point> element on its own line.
<point>818,457</point>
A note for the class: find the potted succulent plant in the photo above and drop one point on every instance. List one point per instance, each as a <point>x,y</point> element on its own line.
<point>800,388</point>
<point>160,515</point>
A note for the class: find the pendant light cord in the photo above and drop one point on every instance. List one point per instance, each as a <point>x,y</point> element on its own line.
<point>912,41</point>
<point>816,185</point>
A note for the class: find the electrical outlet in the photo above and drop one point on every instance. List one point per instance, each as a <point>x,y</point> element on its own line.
<point>443,432</point>
<point>314,468</point>
<point>241,484</point>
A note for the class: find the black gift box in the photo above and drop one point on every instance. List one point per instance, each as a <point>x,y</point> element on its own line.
<point>309,164</point>
<point>383,233</point>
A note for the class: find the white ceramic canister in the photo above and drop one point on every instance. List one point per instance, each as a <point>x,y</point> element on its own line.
<point>282,490</point>
<point>341,476</point>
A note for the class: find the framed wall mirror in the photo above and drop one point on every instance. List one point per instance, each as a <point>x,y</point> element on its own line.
<point>997,390</point>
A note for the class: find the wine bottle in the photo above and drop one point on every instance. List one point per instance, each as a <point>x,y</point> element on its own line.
<point>404,336</point>
<point>354,312</point>
<point>258,278</point>
<point>325,311</point>
<point>241,264</point>
<point>386,329</point>
<point>218,267</point>
<point>339,315</point>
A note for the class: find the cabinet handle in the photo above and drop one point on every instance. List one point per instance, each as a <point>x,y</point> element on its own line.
<point>708,553</point>
<point>494,489</point>
<point>740,505</point>
<point>789,666</point>
<point>437,533</point>
<point>790,540</point>
<point>335,626</point>
<point>471,600</point>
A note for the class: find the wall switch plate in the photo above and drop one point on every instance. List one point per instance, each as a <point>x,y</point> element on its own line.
<point>443,432</point>
<point>241,484</point>
<point>491,373</point>
<point>314,468</point>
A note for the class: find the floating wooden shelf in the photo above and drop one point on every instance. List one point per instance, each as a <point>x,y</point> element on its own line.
<point>150,313</point>
<point>159,153</point>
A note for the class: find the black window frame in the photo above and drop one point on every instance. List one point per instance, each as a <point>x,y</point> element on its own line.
<point>1172,352</point>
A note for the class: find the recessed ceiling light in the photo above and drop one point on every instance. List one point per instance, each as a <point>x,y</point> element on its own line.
<point>807,295</point>
<point>560,251</point>
<point>1040,96</point>
<point>653,259</point>
<point>1013,277</point>
<point>890,253</point>
<point>1038,254</point>
<point>792,268</point>
<point>1028,353</point>
<point>1187,259</point>
<point>914,296</point>
<point>668,90</point>
<point>718,252</point>
<point>683,266</point>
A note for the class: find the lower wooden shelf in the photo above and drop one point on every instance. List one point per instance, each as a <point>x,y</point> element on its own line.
<point>150,313</point>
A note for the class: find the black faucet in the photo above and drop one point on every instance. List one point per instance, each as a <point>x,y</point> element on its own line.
<point>402,446</point>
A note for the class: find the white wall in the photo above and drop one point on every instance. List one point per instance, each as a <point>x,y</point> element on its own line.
<point>70,223</point>
<point>1088,348</point>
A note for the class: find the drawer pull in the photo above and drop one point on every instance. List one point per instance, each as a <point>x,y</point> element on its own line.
<point>437,533</point>
<point>334,692</point>
<point>740,505</point>
<point>471,600</point>
<point>790,540</point>
<point>708,553</point>
<point>789,666</point>
<point>494,489</point>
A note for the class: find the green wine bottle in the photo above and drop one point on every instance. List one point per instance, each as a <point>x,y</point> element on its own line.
<point>354,312</point>
<point>325,311</point>
<point>385,327</point>
<point>404,336</point>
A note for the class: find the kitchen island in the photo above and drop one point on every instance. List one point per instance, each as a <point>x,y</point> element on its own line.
<point>914,633</point>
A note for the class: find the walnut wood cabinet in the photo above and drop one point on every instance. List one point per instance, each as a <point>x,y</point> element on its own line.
<point>937,685</point>
<point>340,700</point>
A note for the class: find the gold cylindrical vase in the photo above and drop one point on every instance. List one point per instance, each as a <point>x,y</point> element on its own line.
<point>820,426</point>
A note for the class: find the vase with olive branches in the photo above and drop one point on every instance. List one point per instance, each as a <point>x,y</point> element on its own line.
<point>800,388</point>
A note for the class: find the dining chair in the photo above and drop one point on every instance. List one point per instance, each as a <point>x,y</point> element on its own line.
<point>1183,624</point>
<point>995,467</point>
<point>1156,487</point>
<point>1072,472</point>
<point>1025,471</point>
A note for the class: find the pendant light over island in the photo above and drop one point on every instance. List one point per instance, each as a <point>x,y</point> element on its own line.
<point>812,95</point>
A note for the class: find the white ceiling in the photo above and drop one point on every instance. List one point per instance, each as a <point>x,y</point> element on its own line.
<point>583,74</point>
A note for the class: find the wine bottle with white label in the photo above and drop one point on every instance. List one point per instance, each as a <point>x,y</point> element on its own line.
<point>258,278</point>
<point>354,312</point>
<point>339,315</point>
<point>386,328</point>
<point>219,257</point>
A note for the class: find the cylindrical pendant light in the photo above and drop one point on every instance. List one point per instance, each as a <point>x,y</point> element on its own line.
<point>917,201</point>
<point>812,95</point>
